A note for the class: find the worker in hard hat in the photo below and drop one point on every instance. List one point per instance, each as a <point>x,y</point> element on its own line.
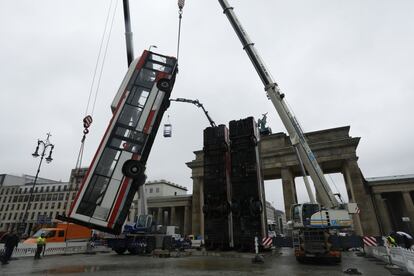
<point>41,244</point>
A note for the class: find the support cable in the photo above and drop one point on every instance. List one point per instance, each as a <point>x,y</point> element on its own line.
<point>87,120</point>
<point>104,56</point>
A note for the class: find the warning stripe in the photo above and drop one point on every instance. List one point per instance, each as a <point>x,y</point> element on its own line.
<point>370,241</point>
<point>267,241</point>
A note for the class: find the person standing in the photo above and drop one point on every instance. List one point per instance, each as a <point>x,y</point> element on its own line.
<point>41,242</point>
<point>11,241</point>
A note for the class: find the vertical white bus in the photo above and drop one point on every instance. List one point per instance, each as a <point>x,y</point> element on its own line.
<point>118,167</point>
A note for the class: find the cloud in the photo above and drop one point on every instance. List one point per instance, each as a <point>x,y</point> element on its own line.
<point>339,63</point>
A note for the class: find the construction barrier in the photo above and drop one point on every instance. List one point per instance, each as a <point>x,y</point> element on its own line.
<point>58,248</point>
<point>283,241</point>
<point>403,258</point>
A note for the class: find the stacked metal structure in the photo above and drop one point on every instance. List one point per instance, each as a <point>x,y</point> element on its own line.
<point>217,189</point>
<point>248,196</point>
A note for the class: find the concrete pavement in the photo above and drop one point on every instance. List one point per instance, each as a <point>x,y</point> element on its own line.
<point>116,265</point>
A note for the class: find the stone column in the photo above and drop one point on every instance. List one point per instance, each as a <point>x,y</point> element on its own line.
<point>349,188</point>
<point>197,174</point>
<point>289,190</point>
<point>361,195</point>
<point>160,216</point>
<point>187,222</point>
<point>197,208</point>
<point>172,216</point>
<point>409,207</point>
<point>383,214</point>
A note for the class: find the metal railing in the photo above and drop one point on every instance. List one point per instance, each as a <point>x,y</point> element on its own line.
<point>404,258</point>
<point>58,248</point>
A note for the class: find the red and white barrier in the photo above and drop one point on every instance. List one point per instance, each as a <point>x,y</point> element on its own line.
<point>267,242</point>
<point>370,241</point>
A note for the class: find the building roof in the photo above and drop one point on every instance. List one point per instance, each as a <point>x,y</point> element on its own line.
<point>163,181</point>
<point>389,179</point>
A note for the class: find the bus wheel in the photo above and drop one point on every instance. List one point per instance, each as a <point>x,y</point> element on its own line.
<point>164,85</point>
<point>133,169</point>
<point>120,250</point>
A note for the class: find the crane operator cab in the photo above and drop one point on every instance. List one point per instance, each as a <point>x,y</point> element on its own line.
<point>118,168</point>
<point>313,215</point>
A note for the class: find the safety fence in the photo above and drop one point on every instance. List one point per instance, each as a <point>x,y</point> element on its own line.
<point>58,248</point>
<point>404,258</point>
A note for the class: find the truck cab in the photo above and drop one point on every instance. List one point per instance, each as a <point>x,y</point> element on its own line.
<point>61,233</point>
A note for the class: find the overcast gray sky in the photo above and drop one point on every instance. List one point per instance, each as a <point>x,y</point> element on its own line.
<point>338,62</point>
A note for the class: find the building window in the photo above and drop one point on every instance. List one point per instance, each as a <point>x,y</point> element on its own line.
<point>157,190</point>
<point>35,206</point>
<point>48,197</point>
<point>53,188</point>
<point>47,205</point>
<point>12,207</point>
<point>41,189</point>
<point>58,205</point>
<point>47,189</point>
<point>58,189</point>
<point>33,214</point>
<point>15,216</point>
<point>36,189</point>
<point>40,205</point>
<point>61,196</point>
<point>43,197</point>
<point>151,190</point>
<point>2,206</point>
<point>37,197</point>
<point>10,214</point>
<point>55,197</point>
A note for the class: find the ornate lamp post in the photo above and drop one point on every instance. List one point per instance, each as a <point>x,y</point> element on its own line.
<point>45,146</point>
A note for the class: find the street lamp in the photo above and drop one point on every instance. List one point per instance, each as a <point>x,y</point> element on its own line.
<point>45,145</point>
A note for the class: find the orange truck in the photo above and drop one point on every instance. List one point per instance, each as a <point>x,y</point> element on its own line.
<point>62,232</point>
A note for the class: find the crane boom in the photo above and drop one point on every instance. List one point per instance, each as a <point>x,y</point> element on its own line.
<point>198,104</point>
<point>296,135</point>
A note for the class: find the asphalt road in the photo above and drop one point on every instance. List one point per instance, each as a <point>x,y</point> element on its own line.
<point>116,265</point>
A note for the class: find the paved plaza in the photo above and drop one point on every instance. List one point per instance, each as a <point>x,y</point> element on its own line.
<point>116,265</point>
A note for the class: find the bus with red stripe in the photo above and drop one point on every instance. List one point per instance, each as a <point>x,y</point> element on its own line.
<point>118,167</point>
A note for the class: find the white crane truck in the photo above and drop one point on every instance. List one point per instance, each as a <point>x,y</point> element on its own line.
<point>313,223</point>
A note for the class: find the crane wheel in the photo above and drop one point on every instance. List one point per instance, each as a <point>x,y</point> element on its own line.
<point>133,169</point>
<point>164,85</point>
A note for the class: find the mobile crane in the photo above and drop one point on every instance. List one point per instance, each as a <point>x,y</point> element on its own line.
<point>313,222</point>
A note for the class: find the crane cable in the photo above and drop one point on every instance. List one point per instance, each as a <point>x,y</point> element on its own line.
<point>180,17</point>
<point>87,120</point>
